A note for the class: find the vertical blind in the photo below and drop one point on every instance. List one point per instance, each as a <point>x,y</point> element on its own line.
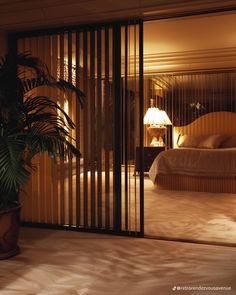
<point>189,95</point>
<point>82,193</point>
<point>132,124</point>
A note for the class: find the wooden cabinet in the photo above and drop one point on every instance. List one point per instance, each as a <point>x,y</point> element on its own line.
<point>149,155</point>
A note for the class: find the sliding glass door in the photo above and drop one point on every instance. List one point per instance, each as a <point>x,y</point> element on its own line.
<point>102,190</point>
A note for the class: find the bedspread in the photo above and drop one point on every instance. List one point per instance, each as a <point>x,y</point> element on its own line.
<point>195,162</point>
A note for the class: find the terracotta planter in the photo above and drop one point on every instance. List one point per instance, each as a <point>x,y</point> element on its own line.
<point>9,232</point>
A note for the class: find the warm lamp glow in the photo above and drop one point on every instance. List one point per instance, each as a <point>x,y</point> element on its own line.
<point>157,120</point>
<point>153,117</point>
<point>165,118</point>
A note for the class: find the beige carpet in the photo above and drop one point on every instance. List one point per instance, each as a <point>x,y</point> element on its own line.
<point>68,263</point>
<point>190,215</point>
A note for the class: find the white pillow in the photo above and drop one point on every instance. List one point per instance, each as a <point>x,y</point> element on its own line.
<point>211,141</point>
<point>201,141</point>
<point>187,140</point>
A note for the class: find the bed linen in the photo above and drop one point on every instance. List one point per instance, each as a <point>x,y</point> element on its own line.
<point>195,162</point>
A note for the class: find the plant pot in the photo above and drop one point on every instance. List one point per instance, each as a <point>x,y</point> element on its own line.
<point>9,232</point>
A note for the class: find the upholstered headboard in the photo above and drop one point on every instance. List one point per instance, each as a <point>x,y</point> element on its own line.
<point>211,123</point>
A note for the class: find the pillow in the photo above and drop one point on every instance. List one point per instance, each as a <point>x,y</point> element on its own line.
<point>201,141</point>
<point>211,141</point>
<point>229,142</point>
<point>187,140</point>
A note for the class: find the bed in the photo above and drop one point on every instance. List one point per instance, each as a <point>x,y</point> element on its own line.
<point>203,158</point>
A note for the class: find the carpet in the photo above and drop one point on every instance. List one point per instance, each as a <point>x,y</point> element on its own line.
<point>190,215</point>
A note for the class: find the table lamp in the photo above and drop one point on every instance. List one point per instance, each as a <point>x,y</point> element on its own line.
<point>157,121</point>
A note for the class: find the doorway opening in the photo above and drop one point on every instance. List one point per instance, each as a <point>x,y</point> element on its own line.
<point>191,75</point>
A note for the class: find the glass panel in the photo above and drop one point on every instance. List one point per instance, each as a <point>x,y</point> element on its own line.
<point>131,148</point>
<point>77,192</point>
<point>83,192</point>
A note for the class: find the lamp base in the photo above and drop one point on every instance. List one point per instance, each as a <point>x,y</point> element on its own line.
<point>156,133</point>
<point>157,142</point>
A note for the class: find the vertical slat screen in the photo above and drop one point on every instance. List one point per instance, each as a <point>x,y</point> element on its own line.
<point>131,149</point>
<point>92,123</point>
<point>78,119</point>
<point>61,102</point>
<point>47,162</point>
<point>85,123</point>
<point>70,110</point>
<point>80,193</point>
<point>189,95</point>
<point>55,173</point>
<point>107,129</point>
<point>99,137</point>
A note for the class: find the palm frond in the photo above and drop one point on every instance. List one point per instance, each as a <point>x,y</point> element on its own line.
<point>14,171</point>
<point>32,83</point>
<point>41,107</point>
<point>45,138</point>
<point>29,61</point>
<point>64,85</point>
<point>29,124</point>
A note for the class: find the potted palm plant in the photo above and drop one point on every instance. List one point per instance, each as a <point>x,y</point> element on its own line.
<point>30,124</point>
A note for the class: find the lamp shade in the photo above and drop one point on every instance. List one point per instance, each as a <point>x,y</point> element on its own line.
<point>154,117</point>
<point>165,118</point>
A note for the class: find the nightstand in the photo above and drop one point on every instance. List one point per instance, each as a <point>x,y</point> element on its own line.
<point>149,155</point>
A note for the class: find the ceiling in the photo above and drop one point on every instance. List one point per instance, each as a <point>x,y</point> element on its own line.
<point>185,34</point>
<point>170,43</point>
<point>190,43</point>
<point>18,15</point>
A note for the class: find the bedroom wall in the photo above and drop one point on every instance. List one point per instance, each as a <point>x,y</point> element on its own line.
<point>187,96</point>
<point>190,43</point>
<point>193,61</point>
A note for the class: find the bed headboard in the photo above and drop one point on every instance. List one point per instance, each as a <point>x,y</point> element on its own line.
<point>211,123</point>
